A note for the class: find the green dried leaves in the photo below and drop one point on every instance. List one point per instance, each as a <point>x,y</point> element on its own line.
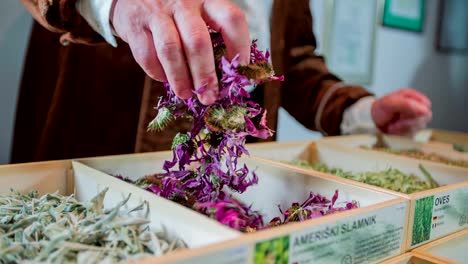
<point>418,154</point>
<point>391,179</point>
<point>219,119</point>
<point>258,72</point>
<point>180,138</point>
<point>162,120</point>
<point>460,148</point>
<point>59,229</point>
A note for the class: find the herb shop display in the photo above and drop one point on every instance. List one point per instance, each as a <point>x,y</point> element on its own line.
<point>206,171</point>
<point>380,219</point>
<point>59,229</point>
<point>392,179</point>
<point>206,174</point>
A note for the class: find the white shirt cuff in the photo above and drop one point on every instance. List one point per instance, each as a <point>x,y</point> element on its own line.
<point>357,119</point>
<point>97,14</point>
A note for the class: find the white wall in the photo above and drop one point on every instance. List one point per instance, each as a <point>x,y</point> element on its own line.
<point>15,25</point>
<point>406,59</point>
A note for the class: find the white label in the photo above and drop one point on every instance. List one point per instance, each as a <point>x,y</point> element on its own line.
<point>363,238</point>
<point>439,215</point>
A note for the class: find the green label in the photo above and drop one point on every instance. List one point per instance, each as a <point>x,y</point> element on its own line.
<point>272,251</point>
<point>422,220</point>
<point>439,215</point>
<point>363,238</point>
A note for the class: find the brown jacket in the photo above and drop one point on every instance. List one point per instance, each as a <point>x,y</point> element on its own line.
<point>84,100</point>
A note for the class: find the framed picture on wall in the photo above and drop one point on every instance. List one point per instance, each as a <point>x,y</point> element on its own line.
<point>452,28</point>
<point>349,37</point>
<point>404,14</point>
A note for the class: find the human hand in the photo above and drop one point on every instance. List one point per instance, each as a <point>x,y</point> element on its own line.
<point>405,111</point>
<point>169,39</point>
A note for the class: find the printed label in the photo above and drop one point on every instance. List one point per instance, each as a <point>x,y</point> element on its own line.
<point>439,215</point>
<point>364,238</point>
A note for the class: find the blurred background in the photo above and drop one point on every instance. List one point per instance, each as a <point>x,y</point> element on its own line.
<point>397,58</point>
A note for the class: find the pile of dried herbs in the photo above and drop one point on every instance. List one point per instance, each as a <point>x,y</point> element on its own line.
<point>391,179</point>
<point>418,154</point>
<point>314,207</point>
<point>460,148</point>
<point>205,168</point>
<point>235,214</point>
<point>59,229</point>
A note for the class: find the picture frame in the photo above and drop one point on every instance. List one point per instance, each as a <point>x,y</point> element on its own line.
<point>452,26</point>
<point>349,39</point>
<point>404,14</point>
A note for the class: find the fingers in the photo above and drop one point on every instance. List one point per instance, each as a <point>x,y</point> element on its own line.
<point>230,21</point>
<point>170,40</point>
<point>170,53</point>
<point>408,126</point>
<point>407,107</point>
<point>405,111</point>
<point>415,95</point>
<point>142,47</point>
<point>196,42</point>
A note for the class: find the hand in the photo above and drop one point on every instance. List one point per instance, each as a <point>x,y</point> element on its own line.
<point>402,112</point>
<point>169,39</point>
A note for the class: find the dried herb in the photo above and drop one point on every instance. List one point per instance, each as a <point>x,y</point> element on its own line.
<point>314,207</point>
<point>235,214</point>
<point>418,154</point>
<point>205,159</point>
<point>460,148</point>
<point>59,229</point>
<point>391,179</point>
<point>205,168</point>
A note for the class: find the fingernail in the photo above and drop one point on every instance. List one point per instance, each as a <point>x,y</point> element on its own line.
<point>202,89</point>
<point>421,109</point>
<point>209,96</point>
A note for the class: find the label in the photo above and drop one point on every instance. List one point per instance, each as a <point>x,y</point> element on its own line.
<point>235,255</point>
<point>363,238</point>
<point>439,215</point>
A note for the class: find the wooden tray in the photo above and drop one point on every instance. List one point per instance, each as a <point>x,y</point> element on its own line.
<point>411,258</point>
<point>402,143</point>
<point>69,177</point>
<point>441,220</point>
<point>449,137</point>
<point>379,226</point>
<point>451,249</point>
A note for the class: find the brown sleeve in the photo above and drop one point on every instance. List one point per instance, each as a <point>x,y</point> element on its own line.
<point>61,16</point>
<point>307,78</point>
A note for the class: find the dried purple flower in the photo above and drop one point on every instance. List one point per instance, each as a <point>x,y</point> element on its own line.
<point>314,207</point>
<point>232,213</point>
<point>217,137</point>
<point>205,159</point>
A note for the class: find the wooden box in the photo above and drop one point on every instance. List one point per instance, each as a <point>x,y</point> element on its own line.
<point>447,203</point>
<point>449,137</point>
<point>68,177</point>
<point>451,249</point>
<point>372,233</point>
<point>445,150</point>
<point>411,258</point>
